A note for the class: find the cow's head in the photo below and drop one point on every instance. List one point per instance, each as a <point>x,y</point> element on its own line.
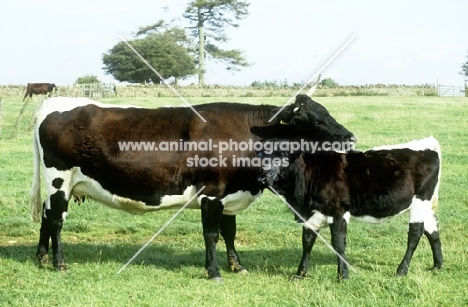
<point>305,119</point>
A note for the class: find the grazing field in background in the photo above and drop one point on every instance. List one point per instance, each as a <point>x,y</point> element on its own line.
<point>97,241</point>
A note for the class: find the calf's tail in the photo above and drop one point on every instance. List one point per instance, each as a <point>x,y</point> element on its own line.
<point>435,196</point>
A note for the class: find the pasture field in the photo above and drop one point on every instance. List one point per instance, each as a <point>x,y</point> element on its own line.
<point>98,241</point>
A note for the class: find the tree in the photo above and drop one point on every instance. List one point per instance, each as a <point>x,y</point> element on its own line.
<point>329,82</point>
<point>161,50</point>
<point>464,71</point>
<point>209,19</point>
<point>87,79</point>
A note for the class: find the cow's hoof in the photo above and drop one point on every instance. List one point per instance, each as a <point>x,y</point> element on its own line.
<point>216,280</point>
<point>296,278</point>
<point>43,260</point>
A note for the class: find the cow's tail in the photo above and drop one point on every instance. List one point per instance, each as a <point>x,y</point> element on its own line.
<point>435,196</point>
<point>35,203</point>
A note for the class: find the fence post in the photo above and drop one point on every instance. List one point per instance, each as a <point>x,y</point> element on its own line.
<point>33,118</point>
<point>15,128</point>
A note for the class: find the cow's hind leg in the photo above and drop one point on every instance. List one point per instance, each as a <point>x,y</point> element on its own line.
<point>211,211</point>
<point>56,215</point>
<point>228,231</point>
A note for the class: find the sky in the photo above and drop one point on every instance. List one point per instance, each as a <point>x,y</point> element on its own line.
<point>409,42</point>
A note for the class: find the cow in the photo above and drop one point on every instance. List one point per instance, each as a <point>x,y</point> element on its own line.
<point>329,188</point>
<point>77,142</point>
<point>39,88</point>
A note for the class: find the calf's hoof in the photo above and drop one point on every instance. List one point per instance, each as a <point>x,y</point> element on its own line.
<point>341,278</point>
<point>238,268</point>
<point>62,267</point>
<point>217,280</point>
<point>436,268</point>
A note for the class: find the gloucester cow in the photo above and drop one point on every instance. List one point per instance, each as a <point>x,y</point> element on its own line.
<point>329,188</point>
<point>39,88</point>
<point>83,147</point>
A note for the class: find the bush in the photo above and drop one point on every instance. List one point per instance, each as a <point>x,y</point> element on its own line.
<point>87,79</point>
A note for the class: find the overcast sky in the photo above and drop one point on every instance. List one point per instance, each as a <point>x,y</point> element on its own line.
<point>397,42</point>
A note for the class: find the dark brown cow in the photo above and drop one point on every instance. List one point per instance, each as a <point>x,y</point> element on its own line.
<point>120,157</point>
<point>329,188</point>
<point>39,88</point>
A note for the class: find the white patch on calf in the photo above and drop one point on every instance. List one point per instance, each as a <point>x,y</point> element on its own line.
<point>422,144</point>
<point>347,216</point>
<point>422,212</point>
<point>318,220</point>
<point>376,220</point>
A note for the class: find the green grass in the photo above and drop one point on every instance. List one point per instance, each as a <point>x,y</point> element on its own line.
<point>98,241</point>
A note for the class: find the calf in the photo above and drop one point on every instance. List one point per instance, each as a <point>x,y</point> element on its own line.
<point>39,88</point>
<point>329,188</point>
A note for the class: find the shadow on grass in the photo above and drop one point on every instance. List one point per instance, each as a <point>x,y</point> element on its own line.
<point>278,261</point>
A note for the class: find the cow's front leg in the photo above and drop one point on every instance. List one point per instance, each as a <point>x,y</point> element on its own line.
<point>44,236</point>
<point>228,231</point>
<point>338,229</point>
<point>59,259</point>
<point>211,211</point>
<point>308,239</point>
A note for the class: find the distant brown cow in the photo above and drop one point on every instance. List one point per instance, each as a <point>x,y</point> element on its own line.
<point>39,88</point>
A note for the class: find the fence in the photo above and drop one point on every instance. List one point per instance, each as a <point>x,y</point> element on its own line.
<point>451,91</point>
<point>93,90</point>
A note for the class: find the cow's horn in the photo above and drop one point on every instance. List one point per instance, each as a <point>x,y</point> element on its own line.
<point>298,109</point>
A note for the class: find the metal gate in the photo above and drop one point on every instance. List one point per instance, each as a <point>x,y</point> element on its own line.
<point>451,91</point>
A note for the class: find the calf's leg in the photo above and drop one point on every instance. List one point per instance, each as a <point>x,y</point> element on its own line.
<point>309,234</point>
<point>308,239</point>
<point>431,231</point>
<point>228,231</point>
<point>338,229</point>
<point>415,232</point>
